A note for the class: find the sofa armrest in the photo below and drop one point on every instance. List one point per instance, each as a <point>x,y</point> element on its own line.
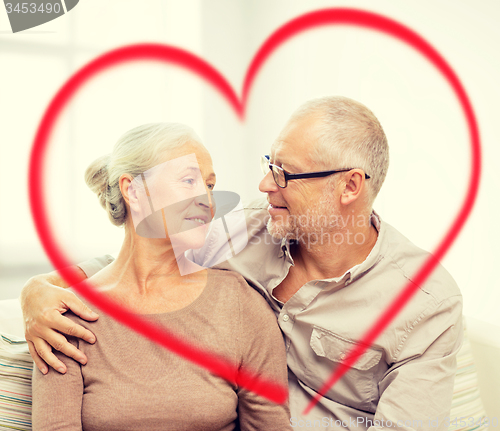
<point>485,345</point>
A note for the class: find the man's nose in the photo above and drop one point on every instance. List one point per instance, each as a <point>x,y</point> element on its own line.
<point>268,184</point>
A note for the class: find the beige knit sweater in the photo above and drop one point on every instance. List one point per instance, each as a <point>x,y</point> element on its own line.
<point>130,383</point>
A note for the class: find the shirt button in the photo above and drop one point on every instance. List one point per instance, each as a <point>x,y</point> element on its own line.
<point>342,356</point>
<point>286,318</point>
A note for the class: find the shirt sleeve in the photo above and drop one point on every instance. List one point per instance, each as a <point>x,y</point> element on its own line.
<point>230,234</point>
<point>93,266</point>
<point>57,398</point>
<point>262,350</point>
<point>227,236</point>
<point>416,391</point>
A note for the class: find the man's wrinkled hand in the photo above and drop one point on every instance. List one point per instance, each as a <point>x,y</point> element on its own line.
<point>43,304</point>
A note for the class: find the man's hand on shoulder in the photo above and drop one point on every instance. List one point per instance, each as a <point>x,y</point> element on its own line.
<point>43,302</point>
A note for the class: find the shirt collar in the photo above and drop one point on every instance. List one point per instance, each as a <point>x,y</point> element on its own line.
<point>375,255</point>
<point>284,248</point>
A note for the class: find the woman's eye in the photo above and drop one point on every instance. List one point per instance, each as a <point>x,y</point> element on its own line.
<point>210,186</point>
<point>189,181</point>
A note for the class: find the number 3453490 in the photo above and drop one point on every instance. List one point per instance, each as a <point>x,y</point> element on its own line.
<point>470,421</point>
<point>33,8</point>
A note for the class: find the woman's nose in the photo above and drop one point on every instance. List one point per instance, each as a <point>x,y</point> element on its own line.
<point>206,201</point>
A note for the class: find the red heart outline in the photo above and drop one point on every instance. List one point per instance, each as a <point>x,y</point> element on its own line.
<point>188,61</point>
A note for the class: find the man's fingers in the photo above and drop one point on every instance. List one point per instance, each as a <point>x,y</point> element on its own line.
<point>43,305</point>
<point>59,342</point>
<point>44,352</point>
<point>79,308</point>
<point>38,361</point>
<point>68,327</point>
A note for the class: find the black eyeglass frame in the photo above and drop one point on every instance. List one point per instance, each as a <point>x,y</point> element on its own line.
<point>317,174</point>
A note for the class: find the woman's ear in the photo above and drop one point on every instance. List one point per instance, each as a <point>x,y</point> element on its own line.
<point>354,184</point>
<point>127,190</point>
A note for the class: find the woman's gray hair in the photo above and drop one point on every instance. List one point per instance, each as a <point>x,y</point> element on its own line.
<point>350,137</point>
<point>135,152</point>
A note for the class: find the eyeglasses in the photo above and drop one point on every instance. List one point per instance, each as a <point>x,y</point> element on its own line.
<point>281,177</point>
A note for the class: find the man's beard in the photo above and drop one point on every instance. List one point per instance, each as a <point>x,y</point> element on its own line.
<point>316,222</point>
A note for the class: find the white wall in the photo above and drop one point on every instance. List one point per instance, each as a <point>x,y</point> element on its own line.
<point>430,152</point>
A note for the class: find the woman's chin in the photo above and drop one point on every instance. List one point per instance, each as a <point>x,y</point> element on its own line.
<point>190,239</point>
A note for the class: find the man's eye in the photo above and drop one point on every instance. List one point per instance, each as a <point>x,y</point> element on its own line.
<point>210,186</point>
<point>189,181</point>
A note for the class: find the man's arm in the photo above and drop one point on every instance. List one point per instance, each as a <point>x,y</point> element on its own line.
<point>43,301</point>
<point>416,391</point>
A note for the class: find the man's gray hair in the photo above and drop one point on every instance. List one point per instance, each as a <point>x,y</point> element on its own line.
<point>135,152</point>
<point>350,137</point>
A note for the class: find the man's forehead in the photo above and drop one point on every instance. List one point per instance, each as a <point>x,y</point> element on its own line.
<point>296,140</point>
<point>278,150</point>
<point>281,156</point>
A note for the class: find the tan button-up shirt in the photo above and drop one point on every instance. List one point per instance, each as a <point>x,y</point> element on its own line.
<point>405,379</point>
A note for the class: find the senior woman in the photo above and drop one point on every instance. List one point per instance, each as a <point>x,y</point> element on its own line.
<point>129,383</point>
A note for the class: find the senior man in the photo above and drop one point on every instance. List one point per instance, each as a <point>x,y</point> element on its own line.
<point>328,266</point>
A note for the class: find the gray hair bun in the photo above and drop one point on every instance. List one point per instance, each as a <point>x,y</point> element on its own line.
<point>109,195</point>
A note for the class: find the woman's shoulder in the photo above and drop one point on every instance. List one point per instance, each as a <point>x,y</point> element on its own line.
<point>233,284</point>
<point>88,324</point>
<point>226,277</point>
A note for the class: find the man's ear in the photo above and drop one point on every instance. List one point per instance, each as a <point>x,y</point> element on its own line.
<point>354,185</point>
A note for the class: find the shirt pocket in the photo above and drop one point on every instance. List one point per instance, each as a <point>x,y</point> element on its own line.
<point>357,388</point>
